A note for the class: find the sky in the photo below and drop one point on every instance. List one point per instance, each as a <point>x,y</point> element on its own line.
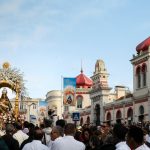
<point>47,39</point>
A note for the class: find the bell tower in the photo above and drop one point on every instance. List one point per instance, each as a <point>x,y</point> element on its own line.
<point>141,68</point>
<point>100,77</point>
<point>100,91</point>
<point>141,78</point>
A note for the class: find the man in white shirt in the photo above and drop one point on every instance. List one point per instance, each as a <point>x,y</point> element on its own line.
<point>47,130</point>
<point>135,139</point>
<point>56,135</point>
<point>36,144</point>
<point>119,133</point>
<point>19,135</point>
<point>68,142</point>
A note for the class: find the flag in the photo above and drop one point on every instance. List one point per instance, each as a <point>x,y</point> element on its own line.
<point>69,90</point>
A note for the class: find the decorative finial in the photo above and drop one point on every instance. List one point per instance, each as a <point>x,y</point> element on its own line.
<point>81,67</point>
<point>6,65</point>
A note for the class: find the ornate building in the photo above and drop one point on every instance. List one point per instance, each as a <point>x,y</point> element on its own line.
<point>100,91</point>
<point>97,103</point>
<point>82,105</point>
<point>83,101</point>
<point>122,105</point>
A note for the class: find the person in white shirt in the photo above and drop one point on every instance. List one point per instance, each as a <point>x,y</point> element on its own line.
<point>47,130</point>
<point>135,139</point>
<point>68,142</point>
<point>36,144</point>
<point>19,135</point>
<point>119,133</point>
<point>56,135</point>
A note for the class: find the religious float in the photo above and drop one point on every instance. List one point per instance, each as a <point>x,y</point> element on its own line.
<point>10,78</point>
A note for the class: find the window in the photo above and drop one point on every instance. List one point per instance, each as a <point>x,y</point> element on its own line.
<point>79,101</point>
<point>97,114</point>
<point>144,79</point>
<point>144,69</point>
<point>24,106</point>
<point>138,73</point>
<point>108,116</point>
<point>118,114</point>
<point>88,120</point>
<point>81,121</point>
<point>34,106</point>
<point>21,106</point>
<point>139,81</point>
<point>141,110</point>
<point>130,113</point>
<point>66,108</point>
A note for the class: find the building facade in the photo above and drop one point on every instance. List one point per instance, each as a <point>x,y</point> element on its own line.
<point>54,99</point>
<point>122,105</point>
<point>28,109</point>
<point>95,100</point>
<point>83,101</point>
<point>54,103</point>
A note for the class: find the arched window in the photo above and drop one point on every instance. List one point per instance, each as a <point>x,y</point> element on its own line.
<point>144,70</point>
<point>141,110</point>
<point>108,118</point>
<point>97,114</point>
<point>79,101</point>
<point>81,121</point>
<point>34,106</point>
<point>118,114</point>
<point>88,120</point>
<point>138,74</point>
<point>141,113</point>
<point>130,113</point>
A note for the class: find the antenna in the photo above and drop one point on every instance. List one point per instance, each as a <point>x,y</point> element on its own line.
<point>81,67</point>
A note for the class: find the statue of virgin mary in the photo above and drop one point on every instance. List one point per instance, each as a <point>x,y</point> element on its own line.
<point>5,104</point>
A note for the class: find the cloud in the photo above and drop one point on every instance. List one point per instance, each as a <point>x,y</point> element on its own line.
<point>10,7</point>
<point>84,11</point>
<point>9,47</point>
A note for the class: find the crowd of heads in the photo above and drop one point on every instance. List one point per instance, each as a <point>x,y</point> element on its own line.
<point>104,136</point>
<point>107,136</point>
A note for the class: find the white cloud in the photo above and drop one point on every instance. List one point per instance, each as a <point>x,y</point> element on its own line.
<point>14,44</point>
<point>10,7</point>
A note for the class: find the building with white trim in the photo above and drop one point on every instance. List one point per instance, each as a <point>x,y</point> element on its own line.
<point>122,105</point>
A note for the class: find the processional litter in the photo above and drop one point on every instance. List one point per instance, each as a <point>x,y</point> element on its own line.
<point>12,79</point>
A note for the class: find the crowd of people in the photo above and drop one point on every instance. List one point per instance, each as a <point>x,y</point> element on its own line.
<point>68,136</point>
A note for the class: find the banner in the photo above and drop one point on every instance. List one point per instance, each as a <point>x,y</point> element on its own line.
<point>69,90</point>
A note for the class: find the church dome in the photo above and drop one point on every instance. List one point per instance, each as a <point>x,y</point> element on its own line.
<point>143,46</point>
<point>83,80</point>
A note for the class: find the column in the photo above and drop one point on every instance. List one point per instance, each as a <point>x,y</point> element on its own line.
<point>124,112</point>
<point>92,111</point>
<point>113,114</point>
<point>134,116</point>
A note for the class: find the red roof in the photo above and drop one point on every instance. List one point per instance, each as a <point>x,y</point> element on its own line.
<point>144,45</point>
<point>82,80</point>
